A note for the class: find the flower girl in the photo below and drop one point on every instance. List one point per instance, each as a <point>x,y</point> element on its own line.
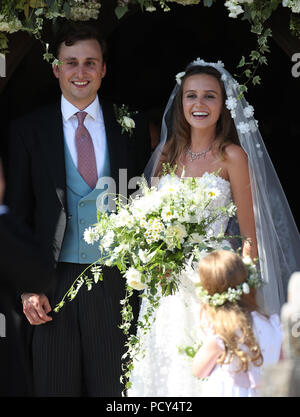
<point>239,339</point>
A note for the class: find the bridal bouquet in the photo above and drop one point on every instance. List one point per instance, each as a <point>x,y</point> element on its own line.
<point>149,238</point>
<point>153,236</point>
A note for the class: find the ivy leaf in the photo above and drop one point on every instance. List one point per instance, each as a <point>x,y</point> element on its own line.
<point>248,73</point>
<point>3,42</point>
<point>120,11</point>
<point>256,80</point>
<point>253,14</point>
<point>39,11</point>
<point>26,10</point>
<point>67,10</point>
<point>257,28</point>
<point>268,32</point>
<point>208,3</point>
<point>35,4</point>
<point>254,55</point>
<point>243,89</point>
<point>263,60</point>
<point>50,3</point>
<point>242,62</point>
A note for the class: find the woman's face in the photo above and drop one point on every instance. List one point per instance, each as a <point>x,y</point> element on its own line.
<point>202,101</point>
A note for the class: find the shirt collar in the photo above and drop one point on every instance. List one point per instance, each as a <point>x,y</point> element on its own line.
<point>68,109</point>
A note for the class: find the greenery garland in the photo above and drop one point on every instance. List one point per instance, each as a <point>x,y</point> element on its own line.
<point>30,15</point>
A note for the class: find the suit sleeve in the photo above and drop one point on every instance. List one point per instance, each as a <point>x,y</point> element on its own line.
<point>20,197</point>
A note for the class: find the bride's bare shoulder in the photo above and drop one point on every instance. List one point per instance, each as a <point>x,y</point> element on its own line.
<point>235,154</point>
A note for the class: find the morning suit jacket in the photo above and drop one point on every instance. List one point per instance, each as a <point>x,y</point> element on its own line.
<point>37,178</point>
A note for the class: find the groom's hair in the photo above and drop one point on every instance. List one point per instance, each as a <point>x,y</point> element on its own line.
<point>72,32</point>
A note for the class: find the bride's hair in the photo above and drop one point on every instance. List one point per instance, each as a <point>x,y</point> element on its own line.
<point>232,321</point>
<point>179,137</point>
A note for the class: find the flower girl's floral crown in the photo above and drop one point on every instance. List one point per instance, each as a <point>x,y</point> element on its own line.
<point>232,294</point>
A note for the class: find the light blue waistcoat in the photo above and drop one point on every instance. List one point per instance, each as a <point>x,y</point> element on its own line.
<point>82,213</point>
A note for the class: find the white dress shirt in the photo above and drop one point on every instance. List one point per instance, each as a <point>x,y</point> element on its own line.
<point>94,123</point>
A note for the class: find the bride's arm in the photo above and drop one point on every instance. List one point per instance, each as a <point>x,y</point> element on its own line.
<point>237,168</point>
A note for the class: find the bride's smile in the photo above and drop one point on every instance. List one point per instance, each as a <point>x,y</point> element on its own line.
<point>202,101</point>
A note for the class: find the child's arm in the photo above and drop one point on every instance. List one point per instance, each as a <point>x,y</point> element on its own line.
<point>206,358</point>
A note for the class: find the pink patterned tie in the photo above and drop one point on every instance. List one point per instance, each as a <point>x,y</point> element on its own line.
<point>86,159</point>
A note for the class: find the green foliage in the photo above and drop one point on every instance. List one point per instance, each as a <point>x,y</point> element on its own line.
<point>295,25</point>
<point>29,16</point>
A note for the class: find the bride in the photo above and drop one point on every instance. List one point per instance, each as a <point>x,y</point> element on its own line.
<point>213,130</point>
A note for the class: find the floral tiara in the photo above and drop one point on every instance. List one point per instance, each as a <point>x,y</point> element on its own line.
<point>218,65</point>
<point>232,294</point>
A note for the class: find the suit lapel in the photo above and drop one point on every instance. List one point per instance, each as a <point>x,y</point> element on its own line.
<point>52,144</point>
<point>116,141</point>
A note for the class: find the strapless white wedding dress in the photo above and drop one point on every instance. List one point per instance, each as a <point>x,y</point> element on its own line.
<point>161,370</point>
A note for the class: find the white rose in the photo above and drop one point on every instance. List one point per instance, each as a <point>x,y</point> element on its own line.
<point>246,288</point>
<point>133,277</point>
<point>178,231</point>
<point>247,260</point>
<point>179,76</point>
<point>128,122</point>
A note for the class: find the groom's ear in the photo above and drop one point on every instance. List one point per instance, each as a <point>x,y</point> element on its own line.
<point>55,69</point>
<point>103,73</point>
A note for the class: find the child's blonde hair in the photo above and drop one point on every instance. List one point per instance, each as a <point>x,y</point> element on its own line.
<point>232,321</point>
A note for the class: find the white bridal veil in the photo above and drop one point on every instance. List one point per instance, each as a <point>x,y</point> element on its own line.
<point>277,234</point>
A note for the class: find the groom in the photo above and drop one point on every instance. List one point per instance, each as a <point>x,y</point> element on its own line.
<point>58,154</point>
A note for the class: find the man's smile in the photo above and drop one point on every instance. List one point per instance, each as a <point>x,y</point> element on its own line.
<point>80,84</point>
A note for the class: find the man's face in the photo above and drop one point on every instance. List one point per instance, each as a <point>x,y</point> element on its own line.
<point>81,73</point>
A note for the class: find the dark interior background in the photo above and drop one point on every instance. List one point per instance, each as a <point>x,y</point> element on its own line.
<point>147,50</point>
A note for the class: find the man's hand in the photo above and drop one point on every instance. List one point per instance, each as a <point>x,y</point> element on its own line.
<point>36,307</point>
<point>2,183</point>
